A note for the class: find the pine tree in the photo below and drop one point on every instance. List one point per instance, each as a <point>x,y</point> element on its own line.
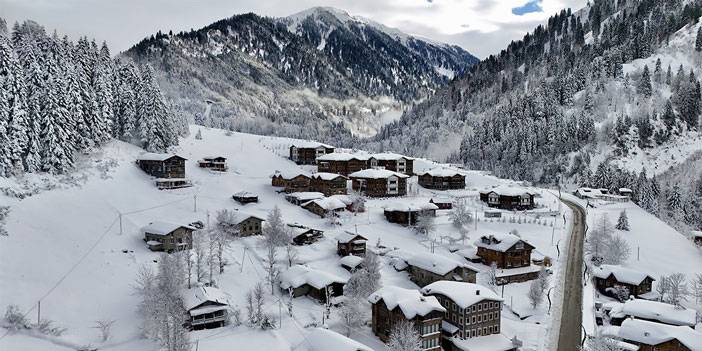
<point>668,76</point>
<point>644,86</point>
<point>669,115</point>
<point>698,41</point>
<point>623,221</point>
<point>13,110</point>
<point>674,206</point>
<point>658,72</point>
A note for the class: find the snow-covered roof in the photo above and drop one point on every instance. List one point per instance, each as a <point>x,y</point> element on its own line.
<point>624,190</point>
<point>651,333</point>
<point>470,253</point>
<point>152,156</point>
<point>290,174</point>
<point>462,294</point>
<point>499,242</point>
<point>411,302</point>
<point>623,275</point>
<point>493,342</point>
<point>351,261</point>
<point>306,195</point>
<point>441,199</point>
<point>374,173</point>
<point>440,172</point>
<point>347,236</point>
<point>304,144</point>
<point>321,339</point>
<point>347,199</point>
<point>405,206</point>
<point>195,297</point>
<point>389,156</point>
<point>300,275</point>
<point>163,228</point>
<point>327,176</point>
<point>245,194</point>
<point>242,216</point>
<point>431,262</point>
<point>342,156</point>
<point>663,312</point>
<point>588,192</point>
<point>327,203</point>
<point>696,234</point>
<point>508,191</point>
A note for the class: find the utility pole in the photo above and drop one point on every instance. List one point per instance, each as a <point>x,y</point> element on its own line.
<point>553,231</point>
<point>38,312</point>
<point>208,219</point>
<point>243,256</point>
<point>280,314</point>
<point>120,223</point>
<point>195,203</point>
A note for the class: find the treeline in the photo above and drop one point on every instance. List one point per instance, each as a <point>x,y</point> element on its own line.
<point>59,98</point>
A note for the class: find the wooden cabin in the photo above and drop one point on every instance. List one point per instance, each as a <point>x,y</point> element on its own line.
<point>392,304</point>
<point>392,162</point>
<point>307,152</point>
<point>328,184</point>
<point>303,197</point>
<point>342,163</point>
<point>508,198</point>
<point>248,225</point>
<point>425,268</point>
<point>442,179</point>
<point>351,263</point>
<point>304,235</point>
<point>169,169</point>
<point>349,243</point>
<point>302,280</point>
<point>506,251</point>
<point>653,311</point>
<point>325,207</point>
<point>379,183</point>
<point>215,163</point>
<point>472,310</point>
<point>443,203</point>
<point>245,197</point>
<point>168,237</point>
<point>651,336</point>
<point>608,277</point>
<point>207,308</point>
<point>298,183</point>
<point>407,213</point>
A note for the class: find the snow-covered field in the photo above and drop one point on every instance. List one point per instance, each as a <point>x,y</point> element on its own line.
<point>66,247</point>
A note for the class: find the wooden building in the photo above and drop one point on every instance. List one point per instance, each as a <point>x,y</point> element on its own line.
<point>442,179</point>
<point>245,197</point>
<point>351,263</point>
<point>471,310</point>
<point>303,197</point>
<point>248,224</point>
<point>508,198</point>
<point>207,308</point>
<point>342,163</point>
<point>425,268</point>
<point>696,237</point>
<point>349,243</point>
<point>307,152</point>
<point>443,203</point>
<point>608,277</point>
<point>651,336</point>
<point>304,235</point>
<point>379,183</point>
<point>506,250</point>
<point>392,162</point>
<point>298,183</point>
<point>325,207</point>
<point>169,169</point>
<point>328,183</point>
<point>653,311</point>
<point>169,237</point>
<point>407,213</point>
<point>393,304</point>
<point>215,163</point>
<point>303,280</point>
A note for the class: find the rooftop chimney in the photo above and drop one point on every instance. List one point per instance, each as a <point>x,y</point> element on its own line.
<point>477,292</point>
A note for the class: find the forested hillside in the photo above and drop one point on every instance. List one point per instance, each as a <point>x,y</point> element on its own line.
<point>59,98</point>
<point>610,80</point>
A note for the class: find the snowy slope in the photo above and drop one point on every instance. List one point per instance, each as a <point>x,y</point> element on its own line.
<point>49,254</point>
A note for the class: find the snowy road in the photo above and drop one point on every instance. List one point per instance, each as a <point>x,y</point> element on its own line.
<point>570,333</point>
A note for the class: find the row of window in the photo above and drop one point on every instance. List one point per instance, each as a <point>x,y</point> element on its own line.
<point>476,307</point>
<point>493,329</point>
<point>430,328</point>
<point>430,343</point>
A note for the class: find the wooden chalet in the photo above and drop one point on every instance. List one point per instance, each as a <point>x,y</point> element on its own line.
<point>653,311</point>
<point>349,243</point>
<point>506,251</point>
<point>651,336</point>
<point>472,310</point>
<point>328,183</point>
<point>393,304</point>
<point>608,277</point>
<point>442,179</point>
<point>215,163</point>
<point>443,203</point>
<point>304,235</point>
<point>343,163</point>
<point>379,183</point>
<point>245,197</point>
<point>325,207</point>
<point>298,183</point>
<point>169,169</point>
<point>169,237</point>
<point>425,268</point>
<point>302,280</point>
<point>407,213</point>
<point>307,152</point>
<point>207,308</point>
<point>351,263</point>
<point>508,198</point>
<point>392,162</point>
<point>303,197</point>
<point>249,225</point>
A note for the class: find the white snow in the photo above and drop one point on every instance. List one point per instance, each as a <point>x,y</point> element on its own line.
<point>197,296</point>
<point>162,228</point>
<point>373,173</point>
<point>494,342</point>
<point>440,172</point>
<point>623,275</point>
<point>410,206</point>
<point>508,191</point>
<point>651,333</point>
<point>343,156</point>
<point>498,242</point>
<point>462,294</point>
<point>299,275</point>
<point>326,176</point>
<point>321,339</point>
<point>150,156</point>
<point>328,203</point>
<point>411,301</point>
<point>657,311</point>
<point>434,263</point>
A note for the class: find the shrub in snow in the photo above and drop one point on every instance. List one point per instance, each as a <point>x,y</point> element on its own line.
<point>621,293</point>
<point>254,305</point>
<point>198,135</point>
<point>536,293</point>
<point>4,212</point>
<point>234,316</point>
<point>425,224</point>
<point>404,337</point>
<point>105,328</point>
<point>677,289</point>
<point>15,319</point>
<point>48,327</point>
<point>623,221</point>
<point>601,343</point>
<point>352,314</point>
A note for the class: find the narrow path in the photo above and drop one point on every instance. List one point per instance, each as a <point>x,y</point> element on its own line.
<point>570,333</point>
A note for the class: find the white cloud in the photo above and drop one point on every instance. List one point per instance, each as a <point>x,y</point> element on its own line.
<point>482,27</point>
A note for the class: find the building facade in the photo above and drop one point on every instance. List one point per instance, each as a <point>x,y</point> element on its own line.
<point>379,183</point>
<point>306,153</point>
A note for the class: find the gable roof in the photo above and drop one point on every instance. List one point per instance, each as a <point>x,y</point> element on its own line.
<point>347,237</point>
<point>152,156</point>
<point>305,195</point>
<point>404,206</point>
<point>342,156</point>
<point>663,312</point>
<point>300,275</point>
<point>434,263</point>
<point>321,339</point>
<point>327,203</point>
<point>500,242</point>
<point>621,274</point>
<point>651,333</point>
<point>197,296</point>
<point>351,261</point>
<point>463,294</point>
<point>504,190</point>
<point>242,216</point>
<point>441,172</point>
<point>389,156</point>
<point>326,176</point>
<point>306,144</point>
<point>410,301</point>
<point>290,174</point>
<point>163,228</point>
<point>373,173</point>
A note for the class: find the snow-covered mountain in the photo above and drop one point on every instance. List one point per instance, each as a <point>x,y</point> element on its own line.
<point>322,67</point>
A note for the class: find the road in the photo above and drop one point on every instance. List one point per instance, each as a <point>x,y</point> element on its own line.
<point>570,334</point>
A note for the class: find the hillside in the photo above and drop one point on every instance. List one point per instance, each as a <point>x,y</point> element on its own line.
<point>322,67</point>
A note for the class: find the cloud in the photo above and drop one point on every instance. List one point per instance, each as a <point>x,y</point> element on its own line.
<point>529,7</point>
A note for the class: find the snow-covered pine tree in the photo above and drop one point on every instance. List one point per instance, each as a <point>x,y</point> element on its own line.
<point>698,41</point>
<point>658,72</point>
<point>623,221</point>
<point>669,76</point>
<point>13,110</point>
<point>644,86</point>
<point>674,206</point>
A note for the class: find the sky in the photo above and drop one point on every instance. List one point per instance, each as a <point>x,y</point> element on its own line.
<point>482,27</point>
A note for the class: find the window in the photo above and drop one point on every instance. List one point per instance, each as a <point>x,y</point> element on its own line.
<point>484,331</point>
<point>480,318</point>
<point>480,307</point>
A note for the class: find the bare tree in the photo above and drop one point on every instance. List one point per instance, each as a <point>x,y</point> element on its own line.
<point>697,288</point>
<point>461,217</point>
<point>425,223</point>
<point>270,261</point>
<point>617,251</point>
<point>404,337</point>
<point>662,287</point>
<point>491,277</point>
<point>274,229</point>
<point>199,250</point>
<point>352,314</point>
<point>538,288</point>
<point>254,305</point>
<point>290,249</point>
<point>601,343</point>
<point>678,291</point>
<point>105,327</point>
<point>212,237</point>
